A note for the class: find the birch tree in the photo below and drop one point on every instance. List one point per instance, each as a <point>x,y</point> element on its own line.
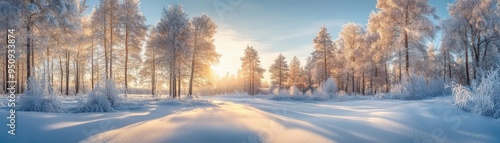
<point>203,52</point>
<point>411,21</point>
<point>134,30</point>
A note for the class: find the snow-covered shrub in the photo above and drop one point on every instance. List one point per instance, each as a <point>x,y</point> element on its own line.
<point>483,97</point>
<point>329,87</point>
<point>325,92</point>
<point>37,99</point>
<point>104,98</point>
<point>416,87</point>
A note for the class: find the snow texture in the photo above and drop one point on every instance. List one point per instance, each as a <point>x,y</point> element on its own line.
<point>185,101</point>
<point>257,119</point>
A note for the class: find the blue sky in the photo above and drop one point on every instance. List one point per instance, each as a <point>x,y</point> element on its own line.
<point>271,26</point>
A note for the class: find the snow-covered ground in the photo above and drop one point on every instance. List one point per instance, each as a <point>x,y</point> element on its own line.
<point>252,119</point>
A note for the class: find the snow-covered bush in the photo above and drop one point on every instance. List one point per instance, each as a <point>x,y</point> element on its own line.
<point>329,87</point>
<point>104,98</point>
<point>37,99</point>
<point>325,92</point>
<point>483,97</point>
<point>417,87</point>
<point>278,91</point>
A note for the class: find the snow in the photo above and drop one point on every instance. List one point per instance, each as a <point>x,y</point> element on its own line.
<point>37,99</point>
<point>104,98</point>
<point>259,119</point>
<point>483,97</point>
<point>417,87</point>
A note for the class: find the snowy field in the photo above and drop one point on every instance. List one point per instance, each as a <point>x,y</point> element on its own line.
<point>259,119</point>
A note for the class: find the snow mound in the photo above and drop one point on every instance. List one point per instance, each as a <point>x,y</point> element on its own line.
<point>37,99</point>
<point>104,98</point>
<point>416,87</point>
<point>483,97</point>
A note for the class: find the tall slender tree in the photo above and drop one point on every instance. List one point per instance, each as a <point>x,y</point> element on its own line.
<point>203,53</point>
<point>323,53</point>
<point>251,70</point>
<point>134,29</point>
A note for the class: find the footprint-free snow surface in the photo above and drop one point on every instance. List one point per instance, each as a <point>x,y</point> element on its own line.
<point>236,120</point>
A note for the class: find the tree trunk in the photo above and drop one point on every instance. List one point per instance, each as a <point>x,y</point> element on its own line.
<point>61,74</point>
<point>363,84</point>
<point>126,59</point>
<point>92,62</point>
<point>111,46</point>
<point>467,80</point>
<point>386,78</point>
<point>17,76</point>
<point>67,72</point>
<point>153,76</point>
<point>106,60</point>
<point>28,46</point>
<point>77,77</point>
<point>353,90</point>
<point>193,58</point>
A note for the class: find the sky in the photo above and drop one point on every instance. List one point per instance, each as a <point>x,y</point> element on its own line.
<point>272,26</point>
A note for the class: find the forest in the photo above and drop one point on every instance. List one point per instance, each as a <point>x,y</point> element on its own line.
<point>67,56</point>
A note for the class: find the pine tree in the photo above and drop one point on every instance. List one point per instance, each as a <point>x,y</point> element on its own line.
<point>251,70</point>
<point>279,71</point>
<point>323,53</point>
<point>295,76</point>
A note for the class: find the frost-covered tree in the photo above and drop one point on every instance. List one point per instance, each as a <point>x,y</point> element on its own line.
<point>149,69</point>
<point>471,30</point>
<point>411,22</point>
<point>382,48</point>
<point>307,73</point>
<point>251,70</point>
<point>37,16</point>
<point>10,19</point>
<point>279,71</point>
<point>431,68</point>
<point>353,39</point>
<point>203,53</point>
<point>323,52</point>
<point>106,19</point>
<point>134,29</point>
<point>295,74</point>
<point>173,36</point>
